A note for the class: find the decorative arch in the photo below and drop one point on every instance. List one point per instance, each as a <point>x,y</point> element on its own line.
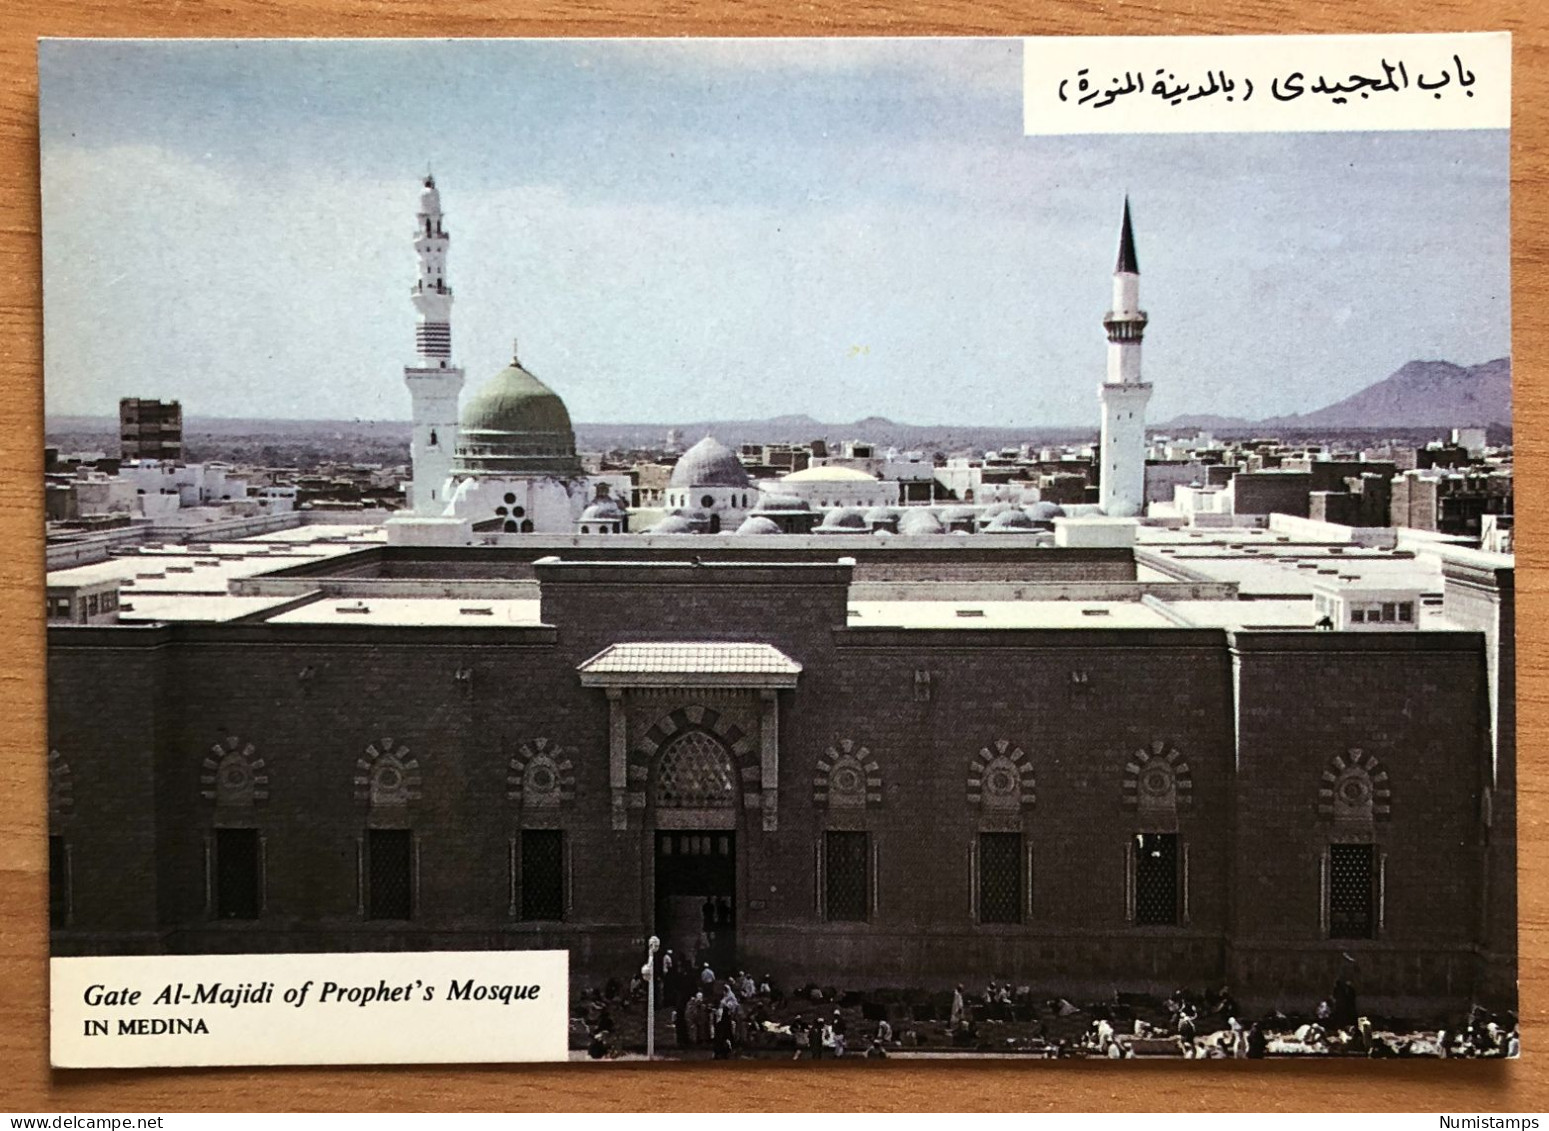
<point>1355,789</point>
<point>541,775</point>
<point>61,786</point>
<point>695,770</point>
<point>233,775</point>
<point>741,752</point>
<point>848,777</point>
<point>1002,779</point>
<point>1158,780</point>
<point>388,776</point>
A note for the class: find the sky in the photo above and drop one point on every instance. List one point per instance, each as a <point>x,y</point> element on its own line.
<point>688,230</point>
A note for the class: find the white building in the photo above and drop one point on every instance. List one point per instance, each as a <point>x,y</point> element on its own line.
<point>824,487</point>
<point>710,478</point>
<point>1124,395</point>
<point>506,464</point>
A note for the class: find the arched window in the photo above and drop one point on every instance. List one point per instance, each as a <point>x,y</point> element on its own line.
<point>387,778</point>
<point>848,777</point>
<point>61,785</point>
<point>695,771</point>
<point>1157,783</point>
<point>541,775</point>
<point>1355,790</point>
<point>234,776</point>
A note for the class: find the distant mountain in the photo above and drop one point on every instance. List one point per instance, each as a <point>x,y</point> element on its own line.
<point>1422,394</point>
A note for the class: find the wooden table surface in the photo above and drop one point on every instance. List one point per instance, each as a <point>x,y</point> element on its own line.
<point>26,1082</point>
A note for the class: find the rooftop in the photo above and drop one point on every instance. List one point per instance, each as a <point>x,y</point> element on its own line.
<point>1005,614</point>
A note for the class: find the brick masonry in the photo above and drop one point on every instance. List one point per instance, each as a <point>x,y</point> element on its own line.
<point>136,713</point>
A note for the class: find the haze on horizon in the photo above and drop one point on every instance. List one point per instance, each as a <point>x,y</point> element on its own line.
<point>700,230</point>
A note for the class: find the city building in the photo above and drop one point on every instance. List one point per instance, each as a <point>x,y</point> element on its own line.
<point>923,761</point>
<point>150,429</point>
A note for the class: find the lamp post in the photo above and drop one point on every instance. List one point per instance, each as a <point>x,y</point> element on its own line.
<point>649,971</point>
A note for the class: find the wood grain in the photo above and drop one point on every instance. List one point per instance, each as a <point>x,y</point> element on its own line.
<point>26,1083</point>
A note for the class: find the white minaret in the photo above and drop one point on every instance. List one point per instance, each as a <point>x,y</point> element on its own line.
<point>1123,393</point>
<point>434,382</point>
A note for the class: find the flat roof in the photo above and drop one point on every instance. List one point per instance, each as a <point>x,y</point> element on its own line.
<point>208,569</point>
<point>1004,614</point>
<point>414,611</point>
<point>1298,572</point>
<point>192,607</point>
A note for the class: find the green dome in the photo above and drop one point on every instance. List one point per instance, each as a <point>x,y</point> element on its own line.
<point>516,425</point>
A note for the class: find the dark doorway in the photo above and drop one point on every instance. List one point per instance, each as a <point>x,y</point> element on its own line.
<point>696,895</point>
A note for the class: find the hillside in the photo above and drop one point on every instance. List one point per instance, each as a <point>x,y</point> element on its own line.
<point>1421,394</point>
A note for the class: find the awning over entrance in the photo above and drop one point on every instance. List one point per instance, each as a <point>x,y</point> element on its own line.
<point>711,663</point>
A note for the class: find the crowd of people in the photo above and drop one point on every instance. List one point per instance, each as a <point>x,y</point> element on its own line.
<point>735,1015</point>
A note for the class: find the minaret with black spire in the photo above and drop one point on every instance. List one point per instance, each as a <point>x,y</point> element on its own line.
<point>434,382</point>
<point>1124,395</point>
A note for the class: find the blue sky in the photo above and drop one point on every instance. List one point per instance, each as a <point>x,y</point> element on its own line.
<point>679,230</point>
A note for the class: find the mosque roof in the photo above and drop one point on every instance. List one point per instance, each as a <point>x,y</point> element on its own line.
<point>758,524</point>
<point>673,524</point>
<point>828,473</point>
<point>781,503</point>
<point>1010,520</point>
<point>919,521</point>
<point>518,425</point>
<point>848,518</point>
<point>709,463</point>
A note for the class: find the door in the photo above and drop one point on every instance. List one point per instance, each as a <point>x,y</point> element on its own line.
<point>696,895</point>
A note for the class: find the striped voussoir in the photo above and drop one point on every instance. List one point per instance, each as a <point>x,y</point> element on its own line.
<point>387,775</point>
<point>694,716</point>
<point>1355,784</point>
<point>61,785</point>
<point>541,774</point>
<point>1002,776</point>
<point>234,774</point>
<point>847,777</point>
<point>1159,775</point>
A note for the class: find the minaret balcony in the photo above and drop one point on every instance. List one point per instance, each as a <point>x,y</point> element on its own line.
<point>1125,327</point>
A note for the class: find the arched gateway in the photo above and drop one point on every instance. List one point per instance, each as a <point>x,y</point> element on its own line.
<point>694,751</point>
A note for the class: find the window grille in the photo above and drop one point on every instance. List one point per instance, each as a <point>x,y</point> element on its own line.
<point>1350,911</point>
<point>696,772</point>
<point>390,881</point>
<point>1000,877</point>
<point>237,876</point>
<point>847,888</point>
<point>1156,879</point>
<point>543,874</point>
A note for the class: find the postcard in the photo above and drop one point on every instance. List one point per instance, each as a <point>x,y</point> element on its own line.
<point>789,549</point>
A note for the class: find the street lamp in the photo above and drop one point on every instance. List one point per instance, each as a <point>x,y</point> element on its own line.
<point>649,973</point>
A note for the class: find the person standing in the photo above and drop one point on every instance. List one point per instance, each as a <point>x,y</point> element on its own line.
<point>801,1035</point>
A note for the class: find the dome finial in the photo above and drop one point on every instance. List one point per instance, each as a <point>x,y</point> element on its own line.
<point>514,353</point>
